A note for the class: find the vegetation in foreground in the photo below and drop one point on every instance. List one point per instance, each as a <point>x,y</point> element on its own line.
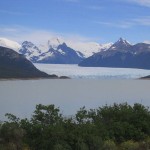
<point>116,127</point>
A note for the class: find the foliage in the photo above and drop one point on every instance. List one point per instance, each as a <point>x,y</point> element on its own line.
<point>11,135</point>
<point>109,145</point>
<point>119,126</point>
<point>129,145</point>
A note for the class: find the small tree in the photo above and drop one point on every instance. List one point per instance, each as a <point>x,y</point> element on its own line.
<point>46,115</point>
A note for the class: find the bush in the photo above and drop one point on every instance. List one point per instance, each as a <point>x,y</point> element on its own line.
<point>109,145</point>
<point>129,145</point>
<point>48,129</point>
<point>145,145</point>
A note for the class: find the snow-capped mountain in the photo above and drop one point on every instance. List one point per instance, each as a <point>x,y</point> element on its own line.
<point>10,44</point>
<point>30,51</point>
<point>89,48</point>
<point>60,55</point>
<point>121,54</point>
<point>105,47</point>
<point>56,50</point>
<point>122,41</point>
<point>85,48</point>
<point>120,45</point>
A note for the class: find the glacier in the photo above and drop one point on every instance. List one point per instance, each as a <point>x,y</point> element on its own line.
<point>76,72</point>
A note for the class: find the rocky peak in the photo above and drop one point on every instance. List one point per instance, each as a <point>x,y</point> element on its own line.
<point>27,44</point>
<point>122,41</point>
<point>28,48</point>
<point>120,45</point>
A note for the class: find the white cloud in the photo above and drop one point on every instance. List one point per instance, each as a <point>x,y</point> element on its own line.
<point>20,34</point>
<point>71,0</point>
<point>93,7</point>
<point>140,2</point>
<point>78,42</point>
<point>141,21</point>
<point>13,12</point>
<point>117,25</point>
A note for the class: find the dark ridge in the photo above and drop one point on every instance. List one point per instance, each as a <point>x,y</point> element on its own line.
<point>14,65</point>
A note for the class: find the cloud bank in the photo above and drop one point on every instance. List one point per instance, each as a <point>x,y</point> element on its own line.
<point>20,34</point>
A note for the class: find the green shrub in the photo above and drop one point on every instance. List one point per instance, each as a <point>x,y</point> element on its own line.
<point>145,145</point>
<point>109,145</point>
<point>129,145</point>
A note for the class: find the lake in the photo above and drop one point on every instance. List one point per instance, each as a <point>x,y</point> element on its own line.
<point>20,96</point>
<point>76,72</point>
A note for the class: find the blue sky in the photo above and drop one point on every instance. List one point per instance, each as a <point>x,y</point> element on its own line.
<point>86,20</point>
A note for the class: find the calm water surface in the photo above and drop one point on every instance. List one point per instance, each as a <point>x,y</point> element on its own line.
<point>20,97</point>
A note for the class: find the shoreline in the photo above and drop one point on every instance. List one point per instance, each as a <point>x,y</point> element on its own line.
<point>66,78</point>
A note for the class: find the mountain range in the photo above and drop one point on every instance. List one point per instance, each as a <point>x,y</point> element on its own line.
<point>62,54</point>
<point>55,51</point>
<point>121,54</point>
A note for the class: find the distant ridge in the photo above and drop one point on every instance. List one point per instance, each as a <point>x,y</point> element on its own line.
<point>121,54</point>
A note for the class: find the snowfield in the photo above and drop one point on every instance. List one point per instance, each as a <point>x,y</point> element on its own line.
<point>76,72</point>
<point>10,44</point>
